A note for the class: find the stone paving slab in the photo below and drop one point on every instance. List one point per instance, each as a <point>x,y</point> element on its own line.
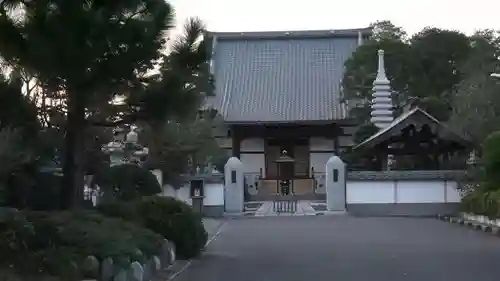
<point>304,208</point>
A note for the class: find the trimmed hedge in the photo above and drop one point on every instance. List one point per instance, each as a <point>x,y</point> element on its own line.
<point>173,219</point>
<point>55,243</point>
<point>127,182</point>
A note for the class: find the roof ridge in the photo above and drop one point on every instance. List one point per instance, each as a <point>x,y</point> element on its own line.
<point>366,31</point>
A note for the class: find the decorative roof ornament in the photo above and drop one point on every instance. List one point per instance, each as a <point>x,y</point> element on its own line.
<point>382,115</point>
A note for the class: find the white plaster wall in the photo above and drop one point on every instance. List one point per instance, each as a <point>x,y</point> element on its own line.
<point>214,194</point>
<point>452,194</point>
<point>420,192</point>
<point>439,191</point>
<point>252,145</point>
<point>320,144</point>
<point>359,192</point>
<point>252,163</point>
<point>318,160</point>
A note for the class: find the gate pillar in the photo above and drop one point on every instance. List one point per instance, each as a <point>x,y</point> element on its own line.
<point>233,186</point>
<point>335,184</point>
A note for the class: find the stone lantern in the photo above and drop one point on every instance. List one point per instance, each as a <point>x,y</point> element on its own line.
<point>125,149</point>
<point>285,165</point>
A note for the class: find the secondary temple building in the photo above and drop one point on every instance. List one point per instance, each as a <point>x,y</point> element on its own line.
<point>281,91</point>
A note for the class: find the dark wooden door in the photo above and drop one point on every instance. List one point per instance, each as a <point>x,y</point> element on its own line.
<point>298,149</point>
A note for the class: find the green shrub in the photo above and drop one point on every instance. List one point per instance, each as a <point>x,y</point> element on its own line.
<point>56,243</point>
<point>127,182</point>
<point>482,202</point>
<point>491,161</point>
<point>173,219</point>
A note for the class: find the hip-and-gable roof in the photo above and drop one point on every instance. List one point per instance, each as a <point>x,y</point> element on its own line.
<point>281,76</point>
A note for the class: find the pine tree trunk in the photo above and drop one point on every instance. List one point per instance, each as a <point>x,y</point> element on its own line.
<point>73,179</point>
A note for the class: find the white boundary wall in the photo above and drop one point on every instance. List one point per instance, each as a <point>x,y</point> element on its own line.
<point>401,191</point>
<point>214,193</point>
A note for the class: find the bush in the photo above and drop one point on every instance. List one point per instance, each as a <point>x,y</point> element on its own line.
<point>173,219</point>
<point>491,161</point>
<point>56,243</point>
<point>127,182</point>
<point>481,202</point>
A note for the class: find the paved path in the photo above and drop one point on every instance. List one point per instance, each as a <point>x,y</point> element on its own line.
<point>212,226</point>
<point>326,248</point>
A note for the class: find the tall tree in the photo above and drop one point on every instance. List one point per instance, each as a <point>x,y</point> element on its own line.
<point>427,68</point>
<point>87,49</point>
<point>361,69</point>
<point>476,101</point>
<point>173,98</point>
<point>386,30</point>
<point>439,55</point>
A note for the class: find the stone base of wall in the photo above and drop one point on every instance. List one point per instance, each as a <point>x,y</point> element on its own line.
<point>213,211</point>
<point>403,209</point>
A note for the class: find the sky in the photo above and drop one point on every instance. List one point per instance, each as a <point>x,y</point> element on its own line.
<point>282,15</point>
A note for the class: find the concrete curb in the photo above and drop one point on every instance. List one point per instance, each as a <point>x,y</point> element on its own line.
<point>471,224</point>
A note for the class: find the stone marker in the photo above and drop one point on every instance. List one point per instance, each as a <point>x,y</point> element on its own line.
<point>165,254</point>
<point>148,270</point>
<point>121,276</point>
<point>107,267</point>
<point>156,263</point>
<point>138,256</point>
<point>90,267</point>
<point>137,271</point>
<point>172,252</point>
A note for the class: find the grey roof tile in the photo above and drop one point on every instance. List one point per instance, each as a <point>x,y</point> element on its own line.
<point>278,77</point>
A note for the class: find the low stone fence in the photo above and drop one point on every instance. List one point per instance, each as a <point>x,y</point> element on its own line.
<point>476,222</point>
<point>480,219</point>
<point>141,269</point>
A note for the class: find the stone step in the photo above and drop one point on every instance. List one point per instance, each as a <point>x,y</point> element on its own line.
<point>300,187</point>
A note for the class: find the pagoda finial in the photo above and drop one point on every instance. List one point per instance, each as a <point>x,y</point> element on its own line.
<point>382,101</point>
<point>381,77</point>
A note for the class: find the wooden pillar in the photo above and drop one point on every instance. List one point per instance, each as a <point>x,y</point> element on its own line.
<point>236,143</point>
<point>336,144</point>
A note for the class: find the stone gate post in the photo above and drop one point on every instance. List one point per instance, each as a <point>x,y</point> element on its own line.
<point>233,186</point>
<point>335,184</point>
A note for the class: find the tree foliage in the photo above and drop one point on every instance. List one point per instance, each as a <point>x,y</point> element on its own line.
<point>426,67</point>
<point>182,146</point>
<point>385,30</point>
<point>476,101</point>
<point>361,70</point>
<point>101,47</point>
<point>126,182</point>
<point>439,55</point>
<point>184,79</point>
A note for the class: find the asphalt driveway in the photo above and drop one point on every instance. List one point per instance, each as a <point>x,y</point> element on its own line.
<point>346,248</point>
